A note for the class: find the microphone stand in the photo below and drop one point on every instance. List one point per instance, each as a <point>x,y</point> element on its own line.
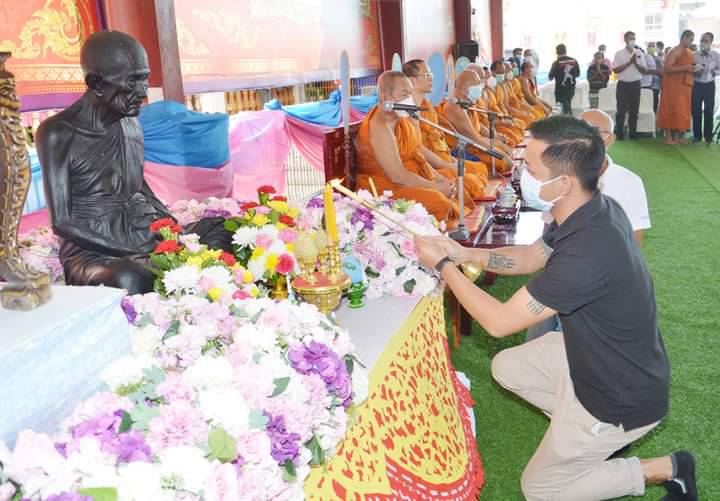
<point>461,233</point>
<point>492,116</point>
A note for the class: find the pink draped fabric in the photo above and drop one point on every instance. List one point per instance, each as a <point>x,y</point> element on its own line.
<point>259,146</point>
<point>172,183</point>
<point>33,220</point>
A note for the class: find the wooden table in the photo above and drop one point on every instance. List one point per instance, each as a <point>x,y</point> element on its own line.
<point>527,230</point>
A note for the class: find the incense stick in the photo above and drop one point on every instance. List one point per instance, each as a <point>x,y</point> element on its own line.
<point>351,194</point>
<point>372,187</point>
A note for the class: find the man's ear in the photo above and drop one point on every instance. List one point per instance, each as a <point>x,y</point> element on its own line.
<point>94,83</point>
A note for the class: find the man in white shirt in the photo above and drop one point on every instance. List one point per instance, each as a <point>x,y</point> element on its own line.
<point>617,182</point>
<point>629,66</point>
<point>647,78</point>
<point>707,61</point>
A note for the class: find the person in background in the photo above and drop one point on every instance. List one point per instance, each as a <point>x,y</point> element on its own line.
<point>654,51</point>
<point>517,56</point>
<point>660,48</point>
<point>532,55</point>
<point>598,75</point>
<point>674,110</point>
<point>602,48</point>
<point>647,78</point>
<point>629,66</point>
<point>564,71</point>
<point>707,61</point>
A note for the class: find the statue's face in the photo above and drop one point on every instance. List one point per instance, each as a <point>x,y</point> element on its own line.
<point>124,81</point>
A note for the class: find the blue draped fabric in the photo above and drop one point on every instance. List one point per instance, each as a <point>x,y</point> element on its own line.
<point>327,113</point>
<point>175,135</point>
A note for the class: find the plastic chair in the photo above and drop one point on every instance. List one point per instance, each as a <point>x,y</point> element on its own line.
<point>581,100</point>
<point>646,115</point>
<point>607,102</point>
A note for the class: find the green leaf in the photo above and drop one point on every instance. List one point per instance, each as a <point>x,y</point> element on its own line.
<point>125,423</point>
<point>409,286</point>
<point>274,217</point>
<point>258,420</point>
<point>172,330</point>
<point>399,271</point>
<point>237,312</point>
<point>371,272</point>
<point>100,493</point>
<point>289,473</point>
<point>155,375</point>
<point>281,385</point>
<point>141,416</point>
<point>318,454</point>
<point>222,445</point>
<point>349,363</point>
<point>231,225</point>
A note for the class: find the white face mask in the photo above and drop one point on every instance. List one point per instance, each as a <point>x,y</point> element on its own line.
<point>530,188</point>
<point>705,47</point>
<point>492,82</point>
<point>509,75</point>
<point>630,44</point>
<point>475,92</point>
<point>407,100</point>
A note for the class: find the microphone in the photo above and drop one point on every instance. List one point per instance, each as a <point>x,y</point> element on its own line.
<point>461,102</point>
<point>392,106</point>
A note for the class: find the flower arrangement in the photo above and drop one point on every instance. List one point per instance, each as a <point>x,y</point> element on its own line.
<point>40,248</point>
<point>184,266</point>
<point>218,401</point>
<point>264,236</point>
<point>387,255</point>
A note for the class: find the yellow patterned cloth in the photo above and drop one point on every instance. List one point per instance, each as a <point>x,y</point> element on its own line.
<point>412,438</point>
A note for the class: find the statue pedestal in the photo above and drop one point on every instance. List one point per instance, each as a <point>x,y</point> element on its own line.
<point>51,358</point>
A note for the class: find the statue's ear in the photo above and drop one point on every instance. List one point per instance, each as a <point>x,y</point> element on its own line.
<point>94,83</point>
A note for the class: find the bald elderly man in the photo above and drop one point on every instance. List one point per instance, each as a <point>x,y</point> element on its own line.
<point>390,151</point>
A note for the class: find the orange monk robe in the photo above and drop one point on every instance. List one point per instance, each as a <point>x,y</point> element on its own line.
<point>536,109</point>
<point>501,93</point>
<point>519,97</point>
<point>674,112</point>
<point>500,165</point>
<point>476,173</point>
<point>513,132</point>
<point>408,139</point>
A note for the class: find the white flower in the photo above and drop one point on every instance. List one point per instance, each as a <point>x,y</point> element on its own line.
<point>182,279</point>
<point>245,236</point>
<point>360,384</point>
<point>145,340</point>
<point>260,339</point>
<point>126,370</point>
<point>226,409</point>
<point>140,481</point>
<point>257,267</point>
<point>270,230</point>
<point>277,247</point>
<point>184,467</point>
<point>218,275</point>
<point>209,372</point>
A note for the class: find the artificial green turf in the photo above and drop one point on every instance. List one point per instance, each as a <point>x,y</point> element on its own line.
<point>683,252</point>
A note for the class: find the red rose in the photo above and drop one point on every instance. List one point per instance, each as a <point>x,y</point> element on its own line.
<point>162,223</point>
<point>167,246</point>
<point>246,206</point>
<point>227,258</point>
<point>286,220</point>
<point>267,189</point>
<point>279,198</point>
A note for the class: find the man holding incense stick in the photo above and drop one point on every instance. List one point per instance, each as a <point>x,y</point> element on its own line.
<point>604,380</point>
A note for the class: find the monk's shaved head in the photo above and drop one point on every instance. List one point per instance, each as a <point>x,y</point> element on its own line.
<point>603,122</point>
<point>476,68</point>
<point>467,78</point>
<point>389,81</point>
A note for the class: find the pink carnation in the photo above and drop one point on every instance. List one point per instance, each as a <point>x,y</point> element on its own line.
<point>286,264</point>
<point>178,424</point>
<point>176,389</point>
<point>241,294</point>
<point>205,284</point>
<point>288,236</point>
<point>264,241</point>
<point>222,484</point>
<point>408,249</point>
<point>263,209</point>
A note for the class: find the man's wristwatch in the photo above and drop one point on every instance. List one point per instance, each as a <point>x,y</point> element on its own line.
<point>442,263</point>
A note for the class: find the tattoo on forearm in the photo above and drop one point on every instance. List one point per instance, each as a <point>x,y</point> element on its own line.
<point>500,262</point>
<point>535,307</point>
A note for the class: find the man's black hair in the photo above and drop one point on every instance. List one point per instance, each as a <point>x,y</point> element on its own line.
<point>561,50</point>
<point>708,34</point>
<point>627,34</point>
<point>412,67</point>
<point>497,63</point>
<point>687,33</point>
<point>574,148</point>
<point>516,49</point>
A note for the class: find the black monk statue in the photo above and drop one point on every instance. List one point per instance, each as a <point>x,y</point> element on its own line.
<point>92,160</point>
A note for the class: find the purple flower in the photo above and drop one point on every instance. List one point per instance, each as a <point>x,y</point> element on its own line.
<point>68,496</point>
<point>317,358</point>
<point>316,203</point>
<point>61,447</point>
<point>129,447</point>
<point>364,216</point>
<point>128,309</point>
<point>284,445</point>
<point>216,213</point>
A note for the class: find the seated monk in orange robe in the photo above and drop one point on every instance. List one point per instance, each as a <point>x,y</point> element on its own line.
<point>674,111</point>
<point>389,151</point>
<point>518,96</point>
<point>520,118</point>
<point>467,87</point>
<point>529,89</point>
<point>433,139</point>
<point>509,127</point>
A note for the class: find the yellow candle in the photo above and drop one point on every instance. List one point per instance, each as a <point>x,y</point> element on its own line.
<point>372,187</point>
<point>330,226</point>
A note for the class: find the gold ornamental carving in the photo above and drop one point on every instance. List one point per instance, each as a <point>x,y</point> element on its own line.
<point>26,288</point>
<point>56,28</point>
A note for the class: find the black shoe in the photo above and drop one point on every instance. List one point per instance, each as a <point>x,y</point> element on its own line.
<point>708,142</point>
<point>620,452</point>
<point>697,140</point>
<point>633,136</point>
<point>682,487</point>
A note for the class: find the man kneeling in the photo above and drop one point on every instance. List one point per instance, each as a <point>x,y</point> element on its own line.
<point>604,380</point>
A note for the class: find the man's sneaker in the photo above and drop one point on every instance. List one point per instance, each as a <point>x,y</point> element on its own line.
<point>682,486</point>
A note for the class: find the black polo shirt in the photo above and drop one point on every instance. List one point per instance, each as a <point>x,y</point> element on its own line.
<point>597,280</point>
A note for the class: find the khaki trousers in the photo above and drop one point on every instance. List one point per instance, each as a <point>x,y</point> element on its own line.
<point>570,463</point>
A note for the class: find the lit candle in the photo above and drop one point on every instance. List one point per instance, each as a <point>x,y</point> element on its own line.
<point>330,226</point>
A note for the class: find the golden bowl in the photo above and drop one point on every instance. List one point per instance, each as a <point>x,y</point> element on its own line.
<point>324,294</point>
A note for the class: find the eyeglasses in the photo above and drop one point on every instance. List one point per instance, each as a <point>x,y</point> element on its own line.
<point>427,74</point>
